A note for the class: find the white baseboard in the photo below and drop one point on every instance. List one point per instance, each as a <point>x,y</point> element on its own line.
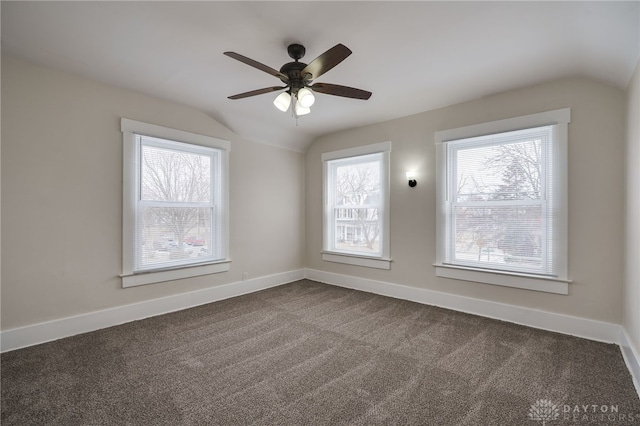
<point>30,335</point>
<point>34,334</point>
<point>631,357</point>
<point>575,326</point>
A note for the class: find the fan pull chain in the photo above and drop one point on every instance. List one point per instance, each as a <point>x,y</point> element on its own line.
<point>294,101</point>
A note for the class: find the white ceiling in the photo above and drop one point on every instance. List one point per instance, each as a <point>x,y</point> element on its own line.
<point>413,56</point>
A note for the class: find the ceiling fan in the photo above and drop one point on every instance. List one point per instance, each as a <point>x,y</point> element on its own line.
<point>298,77</point>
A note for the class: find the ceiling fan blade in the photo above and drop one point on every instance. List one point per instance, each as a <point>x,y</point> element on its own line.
<point>326,61</point>
<point>337,90</point>
<point>258,65</point>
<point>257,92</point>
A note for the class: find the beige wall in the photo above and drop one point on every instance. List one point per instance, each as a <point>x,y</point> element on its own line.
<point>62,196</point>
<point>596,195</point>
<point>632,247</point>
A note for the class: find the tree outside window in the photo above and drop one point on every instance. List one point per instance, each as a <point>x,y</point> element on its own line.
<point>176,212</point>
<point>499,202</point>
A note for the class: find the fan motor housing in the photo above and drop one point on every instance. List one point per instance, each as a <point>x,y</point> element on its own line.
<point>293,71</point>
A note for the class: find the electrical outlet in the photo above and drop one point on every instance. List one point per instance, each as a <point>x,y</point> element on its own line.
<point>245,276</point>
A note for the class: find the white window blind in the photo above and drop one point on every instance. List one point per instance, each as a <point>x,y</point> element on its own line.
<point>502,201</point>
<point>177,220</point>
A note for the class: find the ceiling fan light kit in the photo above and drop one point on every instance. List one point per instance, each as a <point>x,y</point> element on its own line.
<point>302,101</point>
<point>299,110</point>
<point>282,101</point>
<point>298,77</point>
<point>305,97</point>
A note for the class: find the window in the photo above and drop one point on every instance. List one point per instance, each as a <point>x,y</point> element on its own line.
<point>356,206</point>
<point>502,202</point>
<point>175,204</point>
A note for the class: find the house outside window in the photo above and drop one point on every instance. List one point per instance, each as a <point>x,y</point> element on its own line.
<point>356,206</point>
<point>175,204</point>
<point>502,202</point>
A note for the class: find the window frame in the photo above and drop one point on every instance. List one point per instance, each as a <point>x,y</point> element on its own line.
<point>330,160</point>
<point>557,154</point>
<point>191,142</point>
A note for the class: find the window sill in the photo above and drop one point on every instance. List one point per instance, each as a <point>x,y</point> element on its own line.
<point>506,279</point>
<point>151,277</point>
<point>353,259</point>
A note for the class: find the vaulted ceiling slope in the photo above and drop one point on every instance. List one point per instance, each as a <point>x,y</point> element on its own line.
<point>413,56</point>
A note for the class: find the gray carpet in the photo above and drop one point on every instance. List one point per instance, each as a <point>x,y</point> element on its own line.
<point>310,353</point>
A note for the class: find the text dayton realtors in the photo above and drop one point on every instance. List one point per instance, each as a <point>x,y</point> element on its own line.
<point>594,412</point>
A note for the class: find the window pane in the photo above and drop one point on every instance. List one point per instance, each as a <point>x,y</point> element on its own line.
<point>357,229</point>
<point>171,175</point>
<point>507,171</point>
<point>174,235</point>
<point>508,237</point>
<point>358,184</point>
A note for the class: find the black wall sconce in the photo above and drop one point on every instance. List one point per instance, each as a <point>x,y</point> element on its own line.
<point>411,177</point>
